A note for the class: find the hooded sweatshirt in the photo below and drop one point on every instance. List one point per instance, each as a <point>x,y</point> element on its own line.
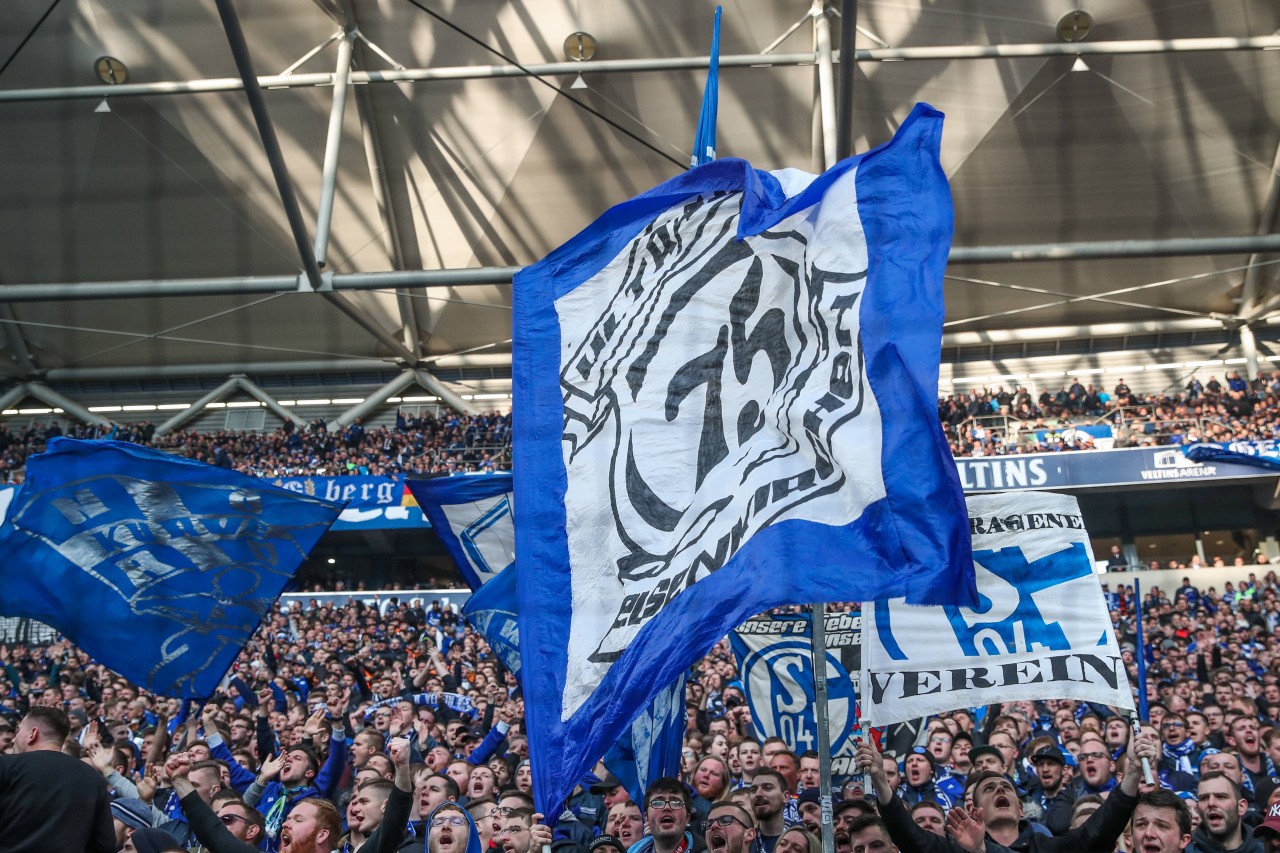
<point>1202,843</point>
<point>419,845</point>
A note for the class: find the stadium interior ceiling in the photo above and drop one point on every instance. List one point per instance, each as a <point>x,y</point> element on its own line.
<point>1115,168</point>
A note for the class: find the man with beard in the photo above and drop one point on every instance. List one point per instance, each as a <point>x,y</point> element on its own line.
<point>296,769</point>
<point>667,808</point>
<point>625,822</point>
<point>1054,798</point>
<point>846,812</point>
<point>1221,805</point>
<point>312,826</point>
<point>710,778</point>
<point>729,829</point>
<point>768,800</point>
<point>1161,823</point>
<point>523,832</point>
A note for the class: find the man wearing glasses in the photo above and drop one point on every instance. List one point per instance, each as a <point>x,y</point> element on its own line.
<point>729,829</point>
<point>1179,756</point>
<point>667,813</point>
<point>523,832</point>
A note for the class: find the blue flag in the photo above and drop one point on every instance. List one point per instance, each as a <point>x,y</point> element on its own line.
<point>1260,454</point>
<point>723,381</point>
<point>492,611</point>
<point>704,141</point>
<point>1143,707</point>
<point>159,567</point>
<point>472,515</point>
<point>650,747</point>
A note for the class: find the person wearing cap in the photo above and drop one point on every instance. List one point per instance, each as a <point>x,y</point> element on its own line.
<point>606,844</point>
<point>129,814</point>
<point>1051,793</point>
<point>918,784</point>
<point>611,790</point>
<point>1268,832</point>
<point>809,806</point>
<point>986,759</point>
<point>151,841</point>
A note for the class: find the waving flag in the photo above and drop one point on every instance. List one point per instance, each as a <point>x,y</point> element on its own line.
<point>1260,454</point>
<point>160,567</point>
<point>727,389</point>
<point>1042,630</point>
<point>472,515</point>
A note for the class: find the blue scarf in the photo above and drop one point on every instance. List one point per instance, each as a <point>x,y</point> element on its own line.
<point>1180,755</point>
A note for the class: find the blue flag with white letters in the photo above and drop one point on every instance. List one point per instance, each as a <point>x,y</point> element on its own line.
<point>492,611</point>
<point>727,390</point>
<point>1260,454</point>
<point>157,566</point>
<point>472,515</point>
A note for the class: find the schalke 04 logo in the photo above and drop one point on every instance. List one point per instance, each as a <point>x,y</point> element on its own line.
<point>779,681</point>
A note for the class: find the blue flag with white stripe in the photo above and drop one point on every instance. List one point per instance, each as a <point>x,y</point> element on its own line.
<point>1259,454</point>
<point>492,611</point>
<point>157,566</point>
<point>650,747</point>
<point>472,515</point>
<point>727,390</point>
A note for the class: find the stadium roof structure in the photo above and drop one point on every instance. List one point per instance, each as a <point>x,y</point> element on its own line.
<point>1115,166</point>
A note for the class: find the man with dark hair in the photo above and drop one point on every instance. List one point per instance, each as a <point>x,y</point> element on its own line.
<point>1161,822</point>
<point>1221,805</point>
<point>930,817</point>
<point>868,834</point>
<point>667,806</point>
<point>768,800</point>
<point>296,768</point>
<point>1051,793</point>
<point>50,801</point>
<point>523,832</point>
<point>729,829</point>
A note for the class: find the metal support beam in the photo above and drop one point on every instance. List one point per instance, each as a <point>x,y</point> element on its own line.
<point>1251,292</point>
<point>249,387</point>
<point>333,146</point>
<point>826,80</point>
<point>13,396</point>
<point>374,401</point>
<point>844,109</point>
<point>370,325</point>
<point>53,292</point>
<point>1249,347</point>
<point>47,395</point>
<point>270,144</point>
<point>335,365</point>
<point>676,63</point>
<point>428,381</point>
<point>197,407</point>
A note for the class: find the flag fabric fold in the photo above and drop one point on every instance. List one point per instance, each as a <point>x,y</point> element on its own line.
<point>704,141</point>
<point>1259,454</point>
<point>471,513</point>
<point>727,389</point>
<point>159,567</point>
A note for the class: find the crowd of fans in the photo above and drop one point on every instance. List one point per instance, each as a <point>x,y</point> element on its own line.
<point>978,423</point>
<point>418,444</point>
<point>350,728</point>
<point>993,423</point>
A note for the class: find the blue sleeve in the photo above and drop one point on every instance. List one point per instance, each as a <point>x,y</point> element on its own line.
<point>277,692</point>
<point>488,746</point>
<point>241,779</point>
<point>330,776</point>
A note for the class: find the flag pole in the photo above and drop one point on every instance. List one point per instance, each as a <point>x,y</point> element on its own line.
<point>818,638</point>
<point>1142,714</point>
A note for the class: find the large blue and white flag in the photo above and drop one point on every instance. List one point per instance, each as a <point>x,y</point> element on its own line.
<point>157,566</point>
<point>1041,630</point>
<point>728,391</point>
<point>650,747</point>
<point>472,515</point>
<point>775,660</point>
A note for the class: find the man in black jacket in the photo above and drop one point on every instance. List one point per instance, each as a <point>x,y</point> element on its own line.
<point>49,800</point>
<point>996,803</point>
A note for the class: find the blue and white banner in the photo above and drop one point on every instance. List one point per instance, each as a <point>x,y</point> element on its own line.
<point>650,747</point>
<point>157,566</point>
<point>718,381</point>
<point>491,610</point>
<point>1041,631</point>
<point>372,503</point>
<point>1259,454</point>
<point>775,659</point>
<point>472,515</point>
